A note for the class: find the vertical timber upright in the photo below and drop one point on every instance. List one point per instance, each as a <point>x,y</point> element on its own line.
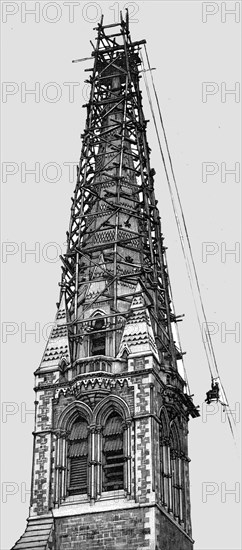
<point>110,458</point>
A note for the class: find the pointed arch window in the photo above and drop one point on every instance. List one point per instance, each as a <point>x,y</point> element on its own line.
<point>176,476</point>
<point>78,457</point>
<point>113,453</point>
<point>164,469</point>
<point>98,338</point>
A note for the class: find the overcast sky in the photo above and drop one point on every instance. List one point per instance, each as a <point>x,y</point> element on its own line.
<point>189,43</point>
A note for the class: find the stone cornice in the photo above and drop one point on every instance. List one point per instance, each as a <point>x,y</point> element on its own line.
<point>96,382</point>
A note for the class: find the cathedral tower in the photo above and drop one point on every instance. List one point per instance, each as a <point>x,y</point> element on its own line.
<point>110,461</point>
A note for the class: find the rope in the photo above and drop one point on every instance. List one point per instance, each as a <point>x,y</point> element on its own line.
<point>175,212</point>
<point>208,336</point>
<point>191,269</point>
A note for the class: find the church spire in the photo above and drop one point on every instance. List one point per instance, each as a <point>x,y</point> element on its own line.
<point>115,239</point>
<point>111,420</point>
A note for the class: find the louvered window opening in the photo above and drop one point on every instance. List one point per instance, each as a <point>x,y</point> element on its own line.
<point>78,458</point>
<point>173,479</point>
<point>98,339</point>
<point>113,461</point>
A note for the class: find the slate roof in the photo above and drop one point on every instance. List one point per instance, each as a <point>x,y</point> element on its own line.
<point>36,535</point>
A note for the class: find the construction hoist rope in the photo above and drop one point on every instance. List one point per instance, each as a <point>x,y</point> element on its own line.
<point>187,251</point>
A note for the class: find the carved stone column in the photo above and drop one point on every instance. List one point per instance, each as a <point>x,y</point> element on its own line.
<point>63,468</point>
<point>175,483</point>
<point>58,466</point>
<point>92,462</point>
<point>181,488</point>
<point>127,455</point>
<point>165,473</point>
<point>170,499</point>
<point>56,471</point>
<point>99,460</point>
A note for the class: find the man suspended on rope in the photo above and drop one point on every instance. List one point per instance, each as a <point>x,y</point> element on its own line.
<point>213,394</point>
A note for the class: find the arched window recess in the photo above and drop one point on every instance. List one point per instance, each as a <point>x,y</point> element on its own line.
<point>113,453</point>
<point>177,475</point>
<point>97,335</point>
<point>78,457</point>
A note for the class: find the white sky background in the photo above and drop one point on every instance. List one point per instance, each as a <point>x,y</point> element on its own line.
<point>185,52</point>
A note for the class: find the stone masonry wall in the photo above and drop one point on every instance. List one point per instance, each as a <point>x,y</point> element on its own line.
<point>168,536</point>
<point>42,453</point>
<point>118,530</point>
